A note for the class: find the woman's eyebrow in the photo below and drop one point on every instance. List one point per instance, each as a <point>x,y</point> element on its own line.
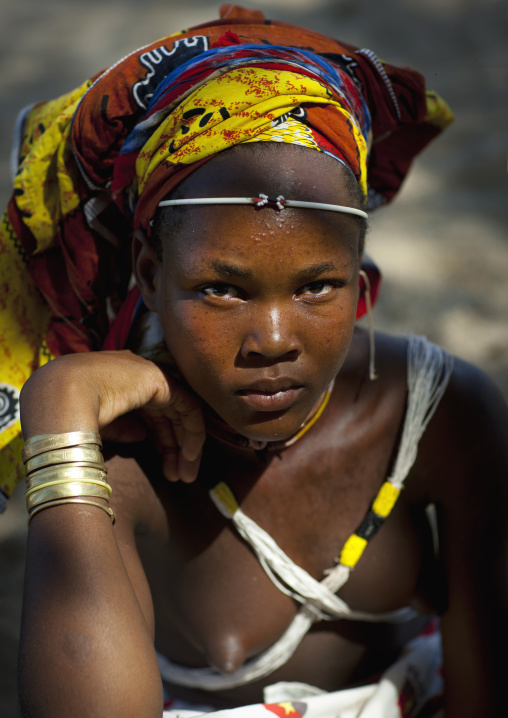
<point>314,270</point>
<point>230,270</point>
<point>225,269</point>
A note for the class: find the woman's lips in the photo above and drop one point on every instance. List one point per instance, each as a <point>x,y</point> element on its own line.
<point>263,400</point>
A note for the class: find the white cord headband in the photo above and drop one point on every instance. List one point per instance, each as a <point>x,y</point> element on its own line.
<point>264,201</point>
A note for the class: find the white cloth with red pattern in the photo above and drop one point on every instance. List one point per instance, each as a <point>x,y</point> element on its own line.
<point>411,688</point>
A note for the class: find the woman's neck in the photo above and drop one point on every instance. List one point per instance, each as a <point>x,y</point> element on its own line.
<point>225,434</point>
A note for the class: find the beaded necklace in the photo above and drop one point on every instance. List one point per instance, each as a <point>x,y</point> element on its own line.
<point>221,431</point>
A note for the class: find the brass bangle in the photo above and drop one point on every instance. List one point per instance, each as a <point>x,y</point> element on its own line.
<point>69,438</point>
<point>77,454</point>
<point>66,490</point>
<point>93,466</point>
<point>101,482</point>
<point>61,502</point>
<point>42,443</point>
<point>65,473</point>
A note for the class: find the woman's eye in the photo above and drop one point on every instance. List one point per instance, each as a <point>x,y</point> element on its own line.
<point>318,289</point>
<point>220,291</point>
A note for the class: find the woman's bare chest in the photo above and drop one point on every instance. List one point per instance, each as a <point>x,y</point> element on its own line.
<point>215,603</point>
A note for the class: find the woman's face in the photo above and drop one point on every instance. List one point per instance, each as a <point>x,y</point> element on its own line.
<point>258,305</point>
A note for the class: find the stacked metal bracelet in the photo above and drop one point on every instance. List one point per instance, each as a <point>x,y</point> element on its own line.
<point>65,469</point>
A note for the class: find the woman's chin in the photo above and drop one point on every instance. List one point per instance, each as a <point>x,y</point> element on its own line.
<point>271,424</point>
<point>277,427</point>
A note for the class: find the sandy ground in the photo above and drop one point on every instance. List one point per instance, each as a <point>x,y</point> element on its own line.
<point>443,246</point>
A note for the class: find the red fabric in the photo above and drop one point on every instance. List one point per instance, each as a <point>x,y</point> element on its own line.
<point>374,276</point>
<point>229,38</point>
<point>120,328</point>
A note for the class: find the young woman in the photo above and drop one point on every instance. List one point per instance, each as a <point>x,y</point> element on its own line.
<point>233,376</point>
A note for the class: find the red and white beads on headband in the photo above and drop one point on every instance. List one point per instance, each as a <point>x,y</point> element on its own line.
<point>263,200</point>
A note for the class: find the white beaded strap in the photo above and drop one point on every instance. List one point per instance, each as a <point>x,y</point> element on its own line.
<point>262,201</point>
<point>324,604</point>
<point>429,369</point>
<point>314,595</point>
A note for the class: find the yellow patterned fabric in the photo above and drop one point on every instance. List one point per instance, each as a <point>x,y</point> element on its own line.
<point>22,349</point>
<point>290,131</point>
<point>44,191</point>
<point>45,184</point>
<point>239,106</point>
<point>438,112</point>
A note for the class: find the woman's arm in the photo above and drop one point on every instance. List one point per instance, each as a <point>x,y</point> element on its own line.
<point>86,647</point>
<point>468,447</point>
<point>87,628</point>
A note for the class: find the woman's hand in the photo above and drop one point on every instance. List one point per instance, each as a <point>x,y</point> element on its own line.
<point>98,391</point>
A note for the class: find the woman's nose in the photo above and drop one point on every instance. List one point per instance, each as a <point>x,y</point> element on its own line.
<point>271,335</point>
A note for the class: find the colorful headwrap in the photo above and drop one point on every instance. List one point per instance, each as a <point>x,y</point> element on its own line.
<point>239,94</point>
<point>95,163</point>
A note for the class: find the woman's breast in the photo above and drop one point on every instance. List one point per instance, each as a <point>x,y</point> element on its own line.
<point>215,605</point>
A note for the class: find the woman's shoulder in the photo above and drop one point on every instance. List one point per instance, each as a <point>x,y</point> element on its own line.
<point>463,414</point>
<point>386,354</point>
<point>357,394</point>
<point>465,442</point>
<point>468,387</point>
<point>472,405</point>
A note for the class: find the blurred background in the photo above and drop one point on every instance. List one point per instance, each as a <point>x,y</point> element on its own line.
<point>442,246</point>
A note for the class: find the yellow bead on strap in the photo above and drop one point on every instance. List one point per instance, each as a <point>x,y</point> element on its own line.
<point>352,551</point>
<point>381,507</point>
<point>386,499</point>
<point>223,498</point>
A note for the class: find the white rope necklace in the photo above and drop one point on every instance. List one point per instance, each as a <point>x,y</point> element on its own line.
<point>263,200</point>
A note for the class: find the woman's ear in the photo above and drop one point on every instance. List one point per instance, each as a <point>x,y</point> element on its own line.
<point>145,265</point>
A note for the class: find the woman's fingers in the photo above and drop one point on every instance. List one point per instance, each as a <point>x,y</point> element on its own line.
<point>188,470</point>
<point>180,433</point>
<point>188,423</point>
<point>174,415</point>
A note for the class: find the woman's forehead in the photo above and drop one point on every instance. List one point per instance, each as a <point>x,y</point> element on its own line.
<point>272,169</point>
<point>247,171</point>
<point>246,237</point>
